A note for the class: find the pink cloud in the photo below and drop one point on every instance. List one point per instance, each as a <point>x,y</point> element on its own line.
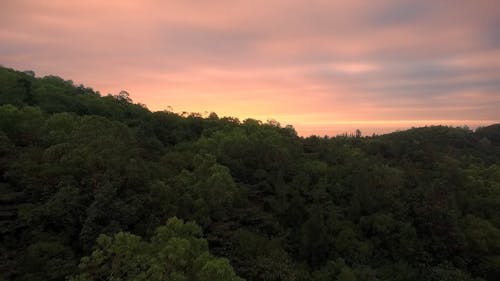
<point>301,62</point>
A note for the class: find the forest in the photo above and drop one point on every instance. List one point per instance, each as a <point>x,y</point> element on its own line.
<point>97,187</point>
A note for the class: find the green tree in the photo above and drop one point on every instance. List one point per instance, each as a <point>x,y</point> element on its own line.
<point>176,252</point>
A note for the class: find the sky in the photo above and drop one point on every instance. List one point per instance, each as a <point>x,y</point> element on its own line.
<point>325,67</point>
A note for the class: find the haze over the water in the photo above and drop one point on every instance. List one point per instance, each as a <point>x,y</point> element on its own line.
<point>326,67</point>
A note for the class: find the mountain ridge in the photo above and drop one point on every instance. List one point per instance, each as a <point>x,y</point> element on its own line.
<point>84,177</point>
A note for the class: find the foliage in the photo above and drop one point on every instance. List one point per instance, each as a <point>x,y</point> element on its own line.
<point>89,180</point>
<point>176,252</point>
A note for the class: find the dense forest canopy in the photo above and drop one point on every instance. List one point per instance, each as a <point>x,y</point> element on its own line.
<point>98,188</point>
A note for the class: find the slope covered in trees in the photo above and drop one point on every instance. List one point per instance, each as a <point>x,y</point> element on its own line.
<point>90,186</point>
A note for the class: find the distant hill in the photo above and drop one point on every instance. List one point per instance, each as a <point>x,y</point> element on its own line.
<point>97,187</point>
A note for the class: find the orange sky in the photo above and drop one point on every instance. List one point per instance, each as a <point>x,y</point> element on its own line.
<point>326,67</point>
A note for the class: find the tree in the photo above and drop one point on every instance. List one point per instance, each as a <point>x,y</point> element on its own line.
<point>420,204</point>
<point>358,133</point>
<point>124,96</point>
<point>176,252</point>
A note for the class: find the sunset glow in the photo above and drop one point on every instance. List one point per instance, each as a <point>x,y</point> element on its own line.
<point>325,67</point>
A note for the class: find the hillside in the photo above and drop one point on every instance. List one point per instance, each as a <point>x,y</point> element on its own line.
<point>96,187</point>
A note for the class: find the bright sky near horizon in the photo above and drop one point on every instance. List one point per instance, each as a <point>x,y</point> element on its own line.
<point>326,67</point>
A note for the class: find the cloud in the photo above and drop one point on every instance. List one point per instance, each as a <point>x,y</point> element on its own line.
<point>319,61</point>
